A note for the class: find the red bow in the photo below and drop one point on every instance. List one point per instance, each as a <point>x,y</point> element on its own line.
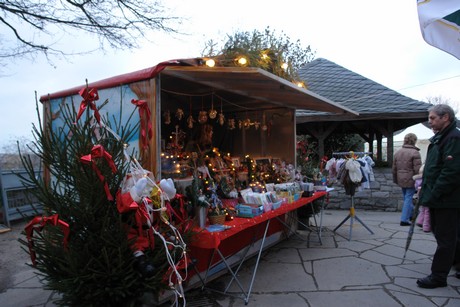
<point>182,215</point>
<point>89,95</point>
<point>146,122</point>
<point>99,152</point>
<point>41,222</point>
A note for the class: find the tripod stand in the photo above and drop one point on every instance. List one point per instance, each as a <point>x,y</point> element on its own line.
<point>352,215</point>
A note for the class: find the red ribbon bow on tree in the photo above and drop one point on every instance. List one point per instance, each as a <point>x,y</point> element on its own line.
<point>182,217</point>
<point>38,223</point>
<point>146,122</point>
<point>99,152</point>
<point>89,95</point>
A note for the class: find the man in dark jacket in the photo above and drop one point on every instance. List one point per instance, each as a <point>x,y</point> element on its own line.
<point>441,192</point>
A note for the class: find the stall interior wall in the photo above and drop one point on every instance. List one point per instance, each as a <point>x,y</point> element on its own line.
<point>278,141</point>
<point>180,116</point>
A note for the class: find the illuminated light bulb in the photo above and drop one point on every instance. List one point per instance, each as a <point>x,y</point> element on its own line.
<point>242,61</point>
<point>210,63</point>
<point>284,66</point>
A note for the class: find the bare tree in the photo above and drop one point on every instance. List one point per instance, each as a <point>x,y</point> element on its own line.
<point>32,27</point>
<point>443,100</point>
<point>10,154</point>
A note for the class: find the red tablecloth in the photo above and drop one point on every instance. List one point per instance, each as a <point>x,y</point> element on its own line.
<point>243,232</point>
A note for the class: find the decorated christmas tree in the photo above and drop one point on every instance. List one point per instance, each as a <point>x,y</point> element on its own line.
<point>101,240</point>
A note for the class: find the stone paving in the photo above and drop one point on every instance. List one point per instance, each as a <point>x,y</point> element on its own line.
<point>367,270</point>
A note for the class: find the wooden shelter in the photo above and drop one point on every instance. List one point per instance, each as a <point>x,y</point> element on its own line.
<point>382,111</point>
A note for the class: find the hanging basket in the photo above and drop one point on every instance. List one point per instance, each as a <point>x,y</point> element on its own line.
<point>216,219</point>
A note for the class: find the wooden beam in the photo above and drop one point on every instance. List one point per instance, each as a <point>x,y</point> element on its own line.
<point>390,145</point>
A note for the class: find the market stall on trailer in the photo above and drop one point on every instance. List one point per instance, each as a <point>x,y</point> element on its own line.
<point>225,136</point>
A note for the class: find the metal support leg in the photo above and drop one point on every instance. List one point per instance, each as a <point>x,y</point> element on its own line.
<point>295,233</point>
<point>235,272</point>
<point>257,263</point>
<point>352,216</point>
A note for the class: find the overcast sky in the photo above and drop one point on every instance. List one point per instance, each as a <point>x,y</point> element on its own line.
<point>381,40</point>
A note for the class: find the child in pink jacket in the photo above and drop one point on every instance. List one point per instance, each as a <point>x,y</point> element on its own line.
<point>423,218</point>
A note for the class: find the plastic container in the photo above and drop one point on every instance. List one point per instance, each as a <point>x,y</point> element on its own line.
<point>277,204</point>
<point>249,210</point>
<point>268,207</point>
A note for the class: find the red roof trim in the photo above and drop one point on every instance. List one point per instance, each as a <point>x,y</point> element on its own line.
<point>135,76</point>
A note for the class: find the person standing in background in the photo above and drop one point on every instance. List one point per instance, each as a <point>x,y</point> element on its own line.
<point>441,193</point>
<point>423,217</point>
<point>406,164</point>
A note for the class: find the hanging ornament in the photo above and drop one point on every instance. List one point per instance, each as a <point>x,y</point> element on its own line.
<point>203,117</point>
<point>264,124</point>
<point>179,114</point>
<point>212,112</point>
<point>167,116</point>
<point>240,124</point>
<point>190,121</point>
<point>221,119</point>
<point>221,115</point>
<point>231,123</point>
<point>256,125</point>
<point>247,123</point>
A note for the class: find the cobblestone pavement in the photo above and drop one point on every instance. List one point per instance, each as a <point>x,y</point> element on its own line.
<point>364,270</point>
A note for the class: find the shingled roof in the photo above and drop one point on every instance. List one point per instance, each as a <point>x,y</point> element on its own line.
<point>370,99</point>
<point>382,111</point>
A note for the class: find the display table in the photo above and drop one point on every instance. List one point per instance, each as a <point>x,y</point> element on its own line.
<point>219,252</point>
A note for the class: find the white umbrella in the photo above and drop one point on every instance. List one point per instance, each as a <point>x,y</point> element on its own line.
<point>440,24</point>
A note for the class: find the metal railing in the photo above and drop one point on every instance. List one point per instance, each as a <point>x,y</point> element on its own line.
<point>17,200</point>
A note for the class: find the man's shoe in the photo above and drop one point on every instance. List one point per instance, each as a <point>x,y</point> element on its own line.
<point>404,224</point>
<point>457,274</point>
<point>430,283</point>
